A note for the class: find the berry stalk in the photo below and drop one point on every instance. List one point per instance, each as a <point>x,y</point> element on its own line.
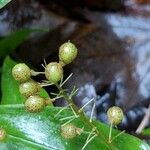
<point>82,115</point>
<point>74,107</point>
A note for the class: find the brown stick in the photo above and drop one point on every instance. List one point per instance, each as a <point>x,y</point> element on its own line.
<point>144,122</point>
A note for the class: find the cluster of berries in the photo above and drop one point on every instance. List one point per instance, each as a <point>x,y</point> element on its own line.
<point>53,73</point>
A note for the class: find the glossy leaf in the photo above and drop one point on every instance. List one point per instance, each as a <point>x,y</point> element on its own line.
<point>41,131</point>
<point>3,3</point>
<point>146,132</point>
<point>10,87</point>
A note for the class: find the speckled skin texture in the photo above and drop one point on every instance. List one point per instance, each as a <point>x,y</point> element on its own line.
<point>29,88</point>
<point>2,134</point>
<point>21,72</point>
<point>34,104</point>
<point>68,131</point>
<point>115,115</point>
<point>67,52</point>
<point>54,72</point>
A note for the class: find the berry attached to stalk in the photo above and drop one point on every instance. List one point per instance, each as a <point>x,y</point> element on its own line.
<point>2,134</point>
<point>54,72</point>
<point>35,104</point>
<point>69,131</point>
<point>115,115</point>
<point>29,88</point>
<point>21,72</point>
<point>67,53</point>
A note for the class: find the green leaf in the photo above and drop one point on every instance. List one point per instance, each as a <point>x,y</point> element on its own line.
<point>41,131</point>
<point>146,131</point>
<point>43,93</point>
<point>10,87</point>
<point>3,3</point>
<point>11,42</point>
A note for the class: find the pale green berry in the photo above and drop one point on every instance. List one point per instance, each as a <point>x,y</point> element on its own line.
<point>29,88</point>
<point>115,115</point>
<point>69,131</point>
<point>2,134</point>
<point>54,72</point>
<point>21,72</point>
<point>35,104</point>
<point>67,52</point>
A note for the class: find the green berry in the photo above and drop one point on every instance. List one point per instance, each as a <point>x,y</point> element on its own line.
<point>67,52</point>
<point>29,88</point>
<point>21,72</point>
<point>69,131</point>
<point>115,115</point>
<point>54,72</point>
<point>35,104</point>
<point>2,134</point>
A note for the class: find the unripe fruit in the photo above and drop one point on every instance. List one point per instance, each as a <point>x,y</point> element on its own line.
<point>69,131</point>
<point>21,72</point>
<point>54,72</point>
<point>2,134</point>
<point>67,52</point>
<point>35,103</point>
<point>115,115</point>
<point>29,88</point>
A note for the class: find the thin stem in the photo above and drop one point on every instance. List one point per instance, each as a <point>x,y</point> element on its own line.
<point>92,112</point>
<point>45,84</point>
<point>74,107</point>
<point>45,64</point>
<point>62,64</point>
<point>62,83</point>
<point>89,141</point>
<point>73,111</point>
<point>89,135</point>
<point>34,73</point>
<point>66,118</point>
<point>117,135</point>
<point>110,132</point>
<point>68,121</point>
<point>86,132</point>
<point>55,94</point>
<point>73,92</point>
<point>86,104</point>
<point>82,116</point>
<point>60,111</point>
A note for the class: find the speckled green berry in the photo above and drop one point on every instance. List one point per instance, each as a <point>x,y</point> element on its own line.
<point>115,115</point>
<point>21,72</point>
<point>35,104</point>
<point>69,131</point>
<point>54,72</point>
<point>2,134</point>
<point>29,88</point>
<point>67,52</point>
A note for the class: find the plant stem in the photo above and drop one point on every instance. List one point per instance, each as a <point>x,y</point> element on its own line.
<point>74,107</point>
<point>82,115</point>
<point>110,132</point>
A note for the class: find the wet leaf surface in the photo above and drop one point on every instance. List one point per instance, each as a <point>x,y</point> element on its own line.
<point>113,47</point>
<point>42,131</point>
